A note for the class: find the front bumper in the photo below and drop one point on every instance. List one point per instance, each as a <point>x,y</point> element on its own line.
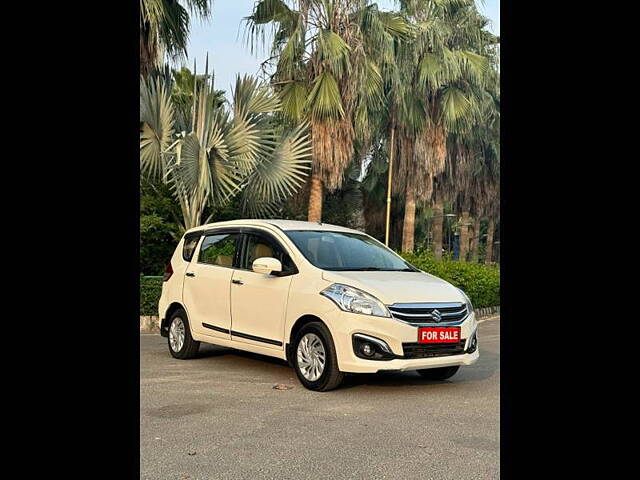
<point>394,333</point>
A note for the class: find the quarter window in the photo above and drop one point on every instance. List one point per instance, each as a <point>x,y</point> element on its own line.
<point>219,249</point>
<point>189,246</point>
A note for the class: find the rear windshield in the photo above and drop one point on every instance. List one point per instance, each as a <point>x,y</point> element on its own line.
<point>346,251</point>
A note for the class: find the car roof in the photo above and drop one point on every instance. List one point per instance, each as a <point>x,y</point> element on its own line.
<point>281,224</point>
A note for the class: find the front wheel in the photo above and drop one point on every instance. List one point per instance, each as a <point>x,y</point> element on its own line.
<point>314,358</point>
<point>439,373</point>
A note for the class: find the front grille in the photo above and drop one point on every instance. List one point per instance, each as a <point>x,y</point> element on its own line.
<point>418,313</point>
<point>427,350</point>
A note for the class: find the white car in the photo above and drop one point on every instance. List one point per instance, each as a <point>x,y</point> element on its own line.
<point>330,300</point>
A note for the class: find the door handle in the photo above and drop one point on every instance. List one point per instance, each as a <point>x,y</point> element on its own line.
<point>190,274</point>
<point>237,282</point>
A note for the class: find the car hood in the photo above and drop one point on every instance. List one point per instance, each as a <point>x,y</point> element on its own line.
<point>398,287</point>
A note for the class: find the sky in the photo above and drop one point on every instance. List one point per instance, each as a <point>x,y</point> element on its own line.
<point>222,38</point>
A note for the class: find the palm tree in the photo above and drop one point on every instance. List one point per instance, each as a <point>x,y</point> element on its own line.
<point>475,157</point>
<point>485,183</point>
<point>221,153</point>
<point>164,29</point>
<point>182,93</point>
<point>440,95</point>
<point>326,57</point>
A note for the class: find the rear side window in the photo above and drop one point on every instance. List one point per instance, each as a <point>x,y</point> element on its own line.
<point>219,249</point>
<point>189,246</point>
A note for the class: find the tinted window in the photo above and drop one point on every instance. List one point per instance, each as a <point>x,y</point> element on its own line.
<point>346,251</point>
<point>219,249</point>
<point>262,246</point>
<point>189,246</point>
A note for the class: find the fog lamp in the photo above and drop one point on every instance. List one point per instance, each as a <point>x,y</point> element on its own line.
<point>367,349</point>
<point>371,348</point>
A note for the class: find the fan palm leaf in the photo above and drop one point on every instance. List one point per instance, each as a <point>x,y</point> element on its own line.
<point>281,174</point>
<point>225,151</point>
<point>164,29</point>
<point>156,125</point>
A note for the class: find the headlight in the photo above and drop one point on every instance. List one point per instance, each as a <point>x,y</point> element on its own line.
<point>353,300</point>
<point>467,301</point>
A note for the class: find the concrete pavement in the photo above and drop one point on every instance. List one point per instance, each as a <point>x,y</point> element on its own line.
<point>218,417</point>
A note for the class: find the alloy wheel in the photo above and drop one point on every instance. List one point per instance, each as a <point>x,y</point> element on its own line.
<point>176,334</point>
<point>311,357</point>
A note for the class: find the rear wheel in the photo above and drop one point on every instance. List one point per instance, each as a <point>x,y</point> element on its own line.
<point>314,358</point>
<point>181,344</point>
<point>439,373</point>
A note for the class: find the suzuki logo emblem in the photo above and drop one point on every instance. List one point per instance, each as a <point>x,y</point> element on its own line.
<point>436,315</point>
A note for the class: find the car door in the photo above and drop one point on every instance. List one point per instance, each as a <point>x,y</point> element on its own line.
<point>259,301</point>
<point>207,283</point>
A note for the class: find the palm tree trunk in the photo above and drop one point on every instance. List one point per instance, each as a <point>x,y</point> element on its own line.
<point>489,250</point>
<point>409,226</point>
<point>475,243</point>
<point>464,236</point>
<point>438,219</point>
<point>147,56</point>
<point>315,199</point>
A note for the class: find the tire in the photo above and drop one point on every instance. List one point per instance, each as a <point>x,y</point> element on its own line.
<point>189,347</point>
<point>439,373</point>
<point>330,377</point>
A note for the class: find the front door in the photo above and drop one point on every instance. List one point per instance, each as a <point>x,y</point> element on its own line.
<point>207,284</point>
<point>259,301</point>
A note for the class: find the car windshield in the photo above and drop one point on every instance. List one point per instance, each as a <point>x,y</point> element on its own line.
<point>346,251</point>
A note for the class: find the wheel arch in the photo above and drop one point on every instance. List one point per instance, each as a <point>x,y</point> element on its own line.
<point>297,326</point>
<point>164,323</point>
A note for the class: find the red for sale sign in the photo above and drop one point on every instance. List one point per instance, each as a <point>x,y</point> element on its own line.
<point>439,335</point>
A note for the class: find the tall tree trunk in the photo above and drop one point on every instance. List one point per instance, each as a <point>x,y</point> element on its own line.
<point>489,250</point>
<point>409,226</point>
<point>475,243</point>
<point>356,218</point>
<point>464,236</point>
<point>315,199</point>
<point>436,230</point>
<point>147,54</point>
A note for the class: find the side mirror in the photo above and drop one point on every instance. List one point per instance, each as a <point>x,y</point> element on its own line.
<point>266,265</point>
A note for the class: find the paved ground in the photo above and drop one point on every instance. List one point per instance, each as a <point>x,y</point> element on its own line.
<point>218,417</point>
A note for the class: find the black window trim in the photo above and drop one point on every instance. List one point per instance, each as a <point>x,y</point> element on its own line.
<point>268,236</point>
<point>219,231</point>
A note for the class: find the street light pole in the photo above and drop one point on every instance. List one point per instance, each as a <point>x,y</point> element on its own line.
<point>390,176</point>
<point>449,246</point>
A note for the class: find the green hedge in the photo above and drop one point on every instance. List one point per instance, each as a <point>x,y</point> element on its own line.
<point>150,290</point>
<point>480,282</point>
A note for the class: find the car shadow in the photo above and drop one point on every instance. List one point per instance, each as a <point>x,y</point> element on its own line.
<point>485,368</point>
<point>210,351</point>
